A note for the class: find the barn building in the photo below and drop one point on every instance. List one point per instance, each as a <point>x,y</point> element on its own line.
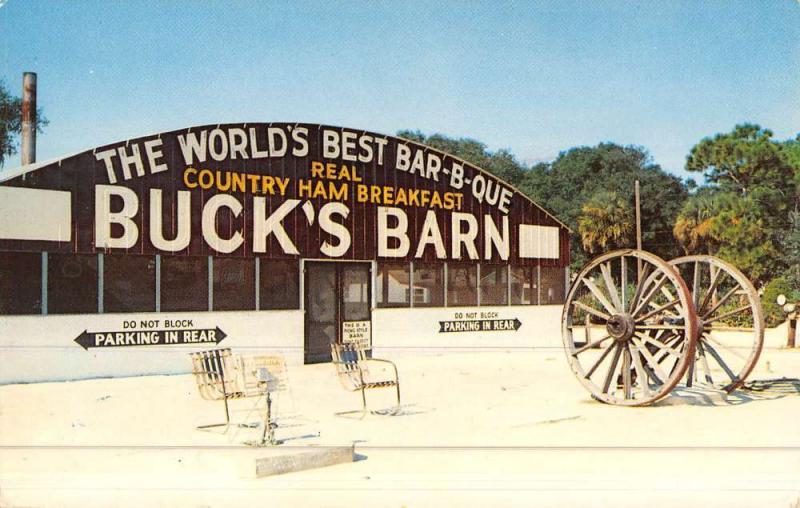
<point>282,237</point>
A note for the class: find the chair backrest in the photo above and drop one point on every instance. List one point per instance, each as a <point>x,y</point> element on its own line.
<point>348,358</point>
<point>213,373</point>
<point>260,371</point>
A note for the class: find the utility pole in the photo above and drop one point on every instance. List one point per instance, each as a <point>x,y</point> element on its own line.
<point>28,155</point>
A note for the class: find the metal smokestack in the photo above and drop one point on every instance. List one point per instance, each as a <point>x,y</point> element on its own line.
<point>28,152</point>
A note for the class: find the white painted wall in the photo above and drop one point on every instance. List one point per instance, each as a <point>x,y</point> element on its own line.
<point>42,348</point>
<point>416,331</point>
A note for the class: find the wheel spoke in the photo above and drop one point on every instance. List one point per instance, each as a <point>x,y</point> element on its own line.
<point>626,373</point>
<point>718,358</point>
<point>612,289</point>
<point>640,372</point>
<point>660,327</point>
<point>649,359</point>
<point>612,369</point>
<point>662,346</point>
<point>719,344</point>
<point>658,310</point>
<point>728,314</point>
<point>704,361</point>
<point>623,281</point>
<point>590,345</point>
<point>721,302</point>
<point>650,295</point>
<point>715,278</point>
<point>598,362</point>
<point>592,311</point>
<point>696,283</point>
<point>600,296</point>
<point>640,286</point>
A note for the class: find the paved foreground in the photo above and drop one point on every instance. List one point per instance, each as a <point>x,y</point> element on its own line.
<point>480,429</point>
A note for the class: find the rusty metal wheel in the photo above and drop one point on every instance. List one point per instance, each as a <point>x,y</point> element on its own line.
<point>730,322</point>
<point>629,327</point>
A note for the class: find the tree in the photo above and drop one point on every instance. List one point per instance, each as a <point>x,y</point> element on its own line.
<point>606,223</point>
<point>11,122</point>
<point>752,179</point>
<point>744,158</point>
<point>501,163</point>
<point>564,185</point>
<point>693,224</point>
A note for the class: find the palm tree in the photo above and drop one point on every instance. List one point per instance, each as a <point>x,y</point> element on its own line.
<point>693,225</point>
<point>606,222</point>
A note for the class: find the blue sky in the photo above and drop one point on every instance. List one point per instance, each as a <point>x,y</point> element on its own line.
<point>534,77</point>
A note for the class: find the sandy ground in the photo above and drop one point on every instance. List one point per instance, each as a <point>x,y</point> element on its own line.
<point>480,429</point>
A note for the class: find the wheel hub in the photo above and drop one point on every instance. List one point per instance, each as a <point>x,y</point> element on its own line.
<point>620,327</point>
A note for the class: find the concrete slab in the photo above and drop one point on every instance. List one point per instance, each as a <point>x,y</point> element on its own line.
<point>293,461</point>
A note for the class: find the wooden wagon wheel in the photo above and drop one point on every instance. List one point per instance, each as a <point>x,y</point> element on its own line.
<point>629,327</point>
<point>730,321</point>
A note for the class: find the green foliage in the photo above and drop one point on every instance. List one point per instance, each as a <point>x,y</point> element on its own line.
<point>11,122</point>
<point>742,160</point>
<point>501,163</point>
<point>692,226</point>
<point>578,174</point>
<point>606,223</point>
<point>773,314</point>
<point>742,216</point>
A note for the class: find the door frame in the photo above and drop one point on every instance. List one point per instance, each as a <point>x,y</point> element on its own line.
<point>339,297</point>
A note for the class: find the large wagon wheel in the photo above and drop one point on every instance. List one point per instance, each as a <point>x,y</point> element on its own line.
<point>629,327</point>
<point>730,321</point>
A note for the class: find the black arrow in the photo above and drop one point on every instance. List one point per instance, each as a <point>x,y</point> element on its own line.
<point>84,340</point>
<point>517,324</point>
<point>133,338</point>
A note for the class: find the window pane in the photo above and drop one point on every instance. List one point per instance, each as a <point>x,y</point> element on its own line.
<point>355,292</point>
<point>129,283</point>
<point>20,282</point>
<point>523,285</point>
<point>494,284</point>
<point>184,283</point>
<point>428,285</point>
<point>552,285</point>
<point>279,285</point>
<point>392,285</point>
<point>234,284</point>
<point>462,285</point>
<point>71,283</point>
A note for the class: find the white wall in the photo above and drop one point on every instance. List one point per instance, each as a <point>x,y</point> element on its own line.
<point>416,331</point>
<point>42,348</point>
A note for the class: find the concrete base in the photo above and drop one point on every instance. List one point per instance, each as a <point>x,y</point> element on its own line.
<point>300,461</point>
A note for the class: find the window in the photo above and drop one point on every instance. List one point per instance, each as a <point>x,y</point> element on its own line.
<point>494,284</point>
<point>392,285</point>
<point>462,285</point>
<point>20,282</point>
<point>553,291</point>
<point>428,285</point>
<point>279,285</point>
<point>524,290</point>
<point>129,283</point>
<point>71,283</point>
<point>184,283</point>
<point>234,284</point>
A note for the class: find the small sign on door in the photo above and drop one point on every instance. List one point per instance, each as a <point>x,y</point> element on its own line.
<point>358,333</point>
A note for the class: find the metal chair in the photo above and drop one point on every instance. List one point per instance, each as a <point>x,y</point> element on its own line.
<point>353,370</point>
<point>223,376</point>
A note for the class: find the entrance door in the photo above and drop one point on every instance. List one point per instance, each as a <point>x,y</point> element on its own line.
<point>337,299</point>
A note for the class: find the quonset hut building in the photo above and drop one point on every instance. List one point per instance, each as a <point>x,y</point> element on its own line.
<point>273,237</point>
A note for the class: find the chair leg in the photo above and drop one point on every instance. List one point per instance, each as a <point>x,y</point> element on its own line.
<point>268,435</point>
<point>214,425</point>
<point>363,402</point>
